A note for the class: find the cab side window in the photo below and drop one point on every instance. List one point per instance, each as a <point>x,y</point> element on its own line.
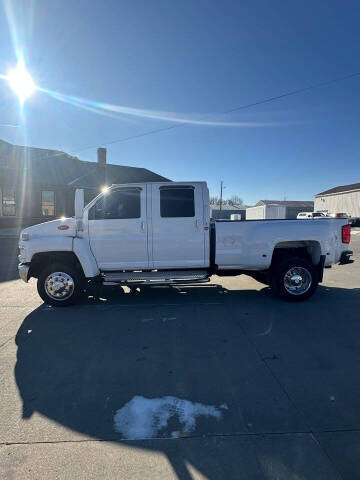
<point>177,202</point>
<point>116,205</point>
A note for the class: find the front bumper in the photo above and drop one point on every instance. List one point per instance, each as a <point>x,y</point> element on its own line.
<point>345,257</point>
<point>24,272</point>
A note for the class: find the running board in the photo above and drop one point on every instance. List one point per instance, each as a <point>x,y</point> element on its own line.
<point>163,277</point>
<point>128,283</point>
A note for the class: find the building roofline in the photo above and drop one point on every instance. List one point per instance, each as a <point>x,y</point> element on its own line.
<point>58,153</point>
<point>336,193</point>
<point>352,187</point>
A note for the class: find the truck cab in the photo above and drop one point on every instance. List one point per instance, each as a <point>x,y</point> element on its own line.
<point>149,226</point>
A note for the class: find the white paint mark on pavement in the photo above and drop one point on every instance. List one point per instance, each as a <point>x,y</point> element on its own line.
<point>142,417</point>
<point>267,331</point>
<point>167,319</point>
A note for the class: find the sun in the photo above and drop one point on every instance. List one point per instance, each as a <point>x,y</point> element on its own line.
<point>20,82</point>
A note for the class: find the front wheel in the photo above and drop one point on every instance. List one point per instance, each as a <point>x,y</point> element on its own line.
<point>60,285</point>
<point>294,279</point>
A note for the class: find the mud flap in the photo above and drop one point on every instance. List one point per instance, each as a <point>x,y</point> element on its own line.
<point>321,267</point>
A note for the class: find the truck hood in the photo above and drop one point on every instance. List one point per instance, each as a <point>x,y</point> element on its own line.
<point>65,227</point>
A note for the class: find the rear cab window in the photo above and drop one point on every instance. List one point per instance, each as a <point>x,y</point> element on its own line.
<point>177,202</point>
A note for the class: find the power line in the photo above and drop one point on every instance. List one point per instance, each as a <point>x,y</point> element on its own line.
<point>131,137</point>
<point>295,92</point>
<point>241,107</point>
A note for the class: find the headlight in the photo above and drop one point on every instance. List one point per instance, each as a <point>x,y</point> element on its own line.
<point>25,236</point>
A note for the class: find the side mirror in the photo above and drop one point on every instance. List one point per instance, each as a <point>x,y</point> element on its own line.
<point>79,208</point>
<point>79,203</point>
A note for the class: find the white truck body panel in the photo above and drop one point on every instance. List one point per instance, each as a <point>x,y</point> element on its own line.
<point>46,237</point>
<point>266,212</point>
<point>178,242</point>
<point>250,245</point>
<point>81,248</point>
<point>121,244</point>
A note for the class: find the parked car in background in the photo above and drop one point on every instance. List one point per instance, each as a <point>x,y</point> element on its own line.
<point>339,215</point>
<point>307,215</point>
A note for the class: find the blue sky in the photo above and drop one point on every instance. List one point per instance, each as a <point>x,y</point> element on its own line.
<point>194,58</point>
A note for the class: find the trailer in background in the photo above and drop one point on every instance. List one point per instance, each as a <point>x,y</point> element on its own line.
<point>279,209</point>
<point>266,212</point>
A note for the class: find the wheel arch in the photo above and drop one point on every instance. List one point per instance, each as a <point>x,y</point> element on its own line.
<point>308,249</point>
<point>42,259</point>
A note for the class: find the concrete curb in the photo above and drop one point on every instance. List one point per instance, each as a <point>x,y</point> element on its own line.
<point>9,235</point>
<point>9,232</point>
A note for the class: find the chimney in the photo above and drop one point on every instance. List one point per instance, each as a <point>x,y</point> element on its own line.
<point>101,156</point>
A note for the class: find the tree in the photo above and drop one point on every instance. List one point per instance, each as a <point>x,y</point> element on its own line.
<point>214,200</point>
<point>235,200</point>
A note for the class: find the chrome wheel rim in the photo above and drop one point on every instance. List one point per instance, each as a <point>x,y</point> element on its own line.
<point>59,286</point>
<point>297,280</point>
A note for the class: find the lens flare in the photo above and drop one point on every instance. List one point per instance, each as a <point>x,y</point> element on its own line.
<point>21,82</point>
<point>122,111</point>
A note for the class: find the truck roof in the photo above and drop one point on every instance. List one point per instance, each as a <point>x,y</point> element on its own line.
<point>157,183</point>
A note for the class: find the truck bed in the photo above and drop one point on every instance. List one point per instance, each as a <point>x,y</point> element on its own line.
<point>249,245</point>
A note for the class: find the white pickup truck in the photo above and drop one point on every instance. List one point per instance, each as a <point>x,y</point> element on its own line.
<point>161,233</point>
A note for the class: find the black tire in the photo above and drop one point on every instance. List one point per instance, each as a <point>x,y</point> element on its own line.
<point>64,271</point>
<point>283,273</point>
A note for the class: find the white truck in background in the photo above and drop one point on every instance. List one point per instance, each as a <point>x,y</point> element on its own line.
<point>310,215</point>
<point>161,233</point>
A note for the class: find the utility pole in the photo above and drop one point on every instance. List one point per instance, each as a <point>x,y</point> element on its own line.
<point>221,194</point>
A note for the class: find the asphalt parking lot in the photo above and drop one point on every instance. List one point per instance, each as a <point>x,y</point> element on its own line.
<point>283,379</point>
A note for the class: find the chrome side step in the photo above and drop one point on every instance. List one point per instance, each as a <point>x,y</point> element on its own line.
<point>155,282</point>
<point>156,277</point>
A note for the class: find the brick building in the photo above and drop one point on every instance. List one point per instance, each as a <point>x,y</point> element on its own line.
<point>37,185</point>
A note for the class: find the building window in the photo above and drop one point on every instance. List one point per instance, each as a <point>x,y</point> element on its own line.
<point>177,202</point>
<point>48,203</point>
<point>8,202</point>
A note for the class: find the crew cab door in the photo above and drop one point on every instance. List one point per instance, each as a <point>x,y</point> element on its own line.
<point>178,226</point>
<point>118,229</point>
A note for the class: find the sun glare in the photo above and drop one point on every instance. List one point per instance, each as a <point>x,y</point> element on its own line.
<point>20,82</point>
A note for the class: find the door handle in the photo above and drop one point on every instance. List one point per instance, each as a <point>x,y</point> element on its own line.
<point>142,226</point>
<point>197,223</point>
